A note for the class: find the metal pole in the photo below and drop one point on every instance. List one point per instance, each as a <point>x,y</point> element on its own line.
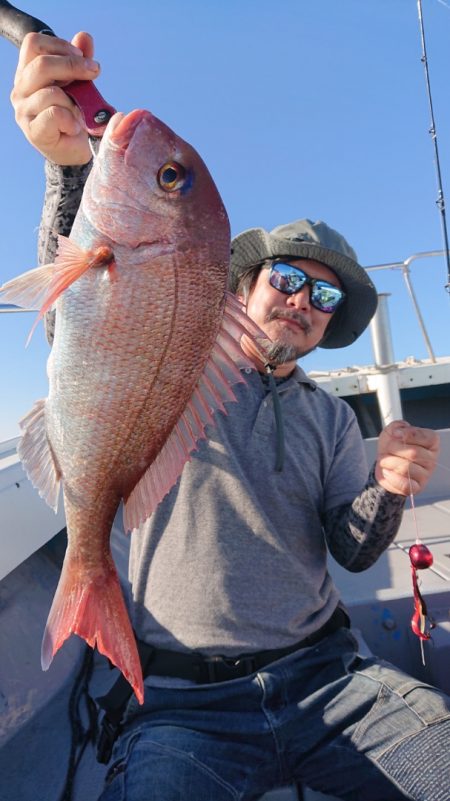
<point>380,329</point>
<point>406,275</point>
<point>385,381</point>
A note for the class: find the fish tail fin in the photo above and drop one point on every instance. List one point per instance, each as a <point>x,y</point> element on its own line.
<point>93,607</point>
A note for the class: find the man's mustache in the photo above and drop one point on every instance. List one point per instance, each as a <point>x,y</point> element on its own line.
<point>298,317</point>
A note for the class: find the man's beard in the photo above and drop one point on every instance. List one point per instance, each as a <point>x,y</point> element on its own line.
<point>281,352</point>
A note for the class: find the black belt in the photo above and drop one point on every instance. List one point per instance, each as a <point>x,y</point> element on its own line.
<point>197,668</point>
<point>209,669</point>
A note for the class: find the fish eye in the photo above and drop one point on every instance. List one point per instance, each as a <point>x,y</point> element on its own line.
<point>171,176</point>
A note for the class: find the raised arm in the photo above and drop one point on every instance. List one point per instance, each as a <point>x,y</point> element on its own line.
<point>53,124</point>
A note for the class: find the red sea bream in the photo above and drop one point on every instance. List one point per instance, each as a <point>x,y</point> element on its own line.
<point>146,347</point>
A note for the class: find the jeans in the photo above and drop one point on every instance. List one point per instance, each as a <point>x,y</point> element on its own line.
<point>355,728</point>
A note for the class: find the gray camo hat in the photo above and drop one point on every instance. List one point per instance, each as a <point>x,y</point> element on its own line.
<point>312,240</point>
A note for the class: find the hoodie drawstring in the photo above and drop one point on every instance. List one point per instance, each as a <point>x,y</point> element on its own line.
<point>279,463</point>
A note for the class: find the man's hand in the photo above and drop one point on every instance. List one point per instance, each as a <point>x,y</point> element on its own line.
<point>47,116</point>
<point>407,457</point>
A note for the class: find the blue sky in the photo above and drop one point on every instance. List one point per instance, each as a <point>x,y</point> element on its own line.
<point>300,108</point>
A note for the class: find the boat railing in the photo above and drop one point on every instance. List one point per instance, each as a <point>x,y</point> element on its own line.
<point>8,447</point>
<point>404,267</point>
<point>8,308</point>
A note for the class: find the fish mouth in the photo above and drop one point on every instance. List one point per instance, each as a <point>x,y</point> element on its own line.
<point>122,127</point>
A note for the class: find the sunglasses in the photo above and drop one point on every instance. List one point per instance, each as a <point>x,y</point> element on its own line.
<point>289,279</point>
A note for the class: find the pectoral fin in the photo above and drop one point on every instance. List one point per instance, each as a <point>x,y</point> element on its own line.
<point>41,287</point>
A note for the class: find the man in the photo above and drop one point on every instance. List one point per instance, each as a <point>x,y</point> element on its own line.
<point>253,677</point>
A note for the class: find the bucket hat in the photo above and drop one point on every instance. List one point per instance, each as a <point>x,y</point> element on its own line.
<point>312,240</point>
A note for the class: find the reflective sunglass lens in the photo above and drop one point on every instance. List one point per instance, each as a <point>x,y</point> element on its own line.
<point>326,297</point>
<point>286,278</point>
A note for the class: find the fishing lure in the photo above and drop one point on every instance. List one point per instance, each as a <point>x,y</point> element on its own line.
<point>420,557</point>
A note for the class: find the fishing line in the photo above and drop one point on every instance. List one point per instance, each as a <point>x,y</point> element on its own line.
<point>413,509</point>
<point>444,3</point>
<point>444,466</point>
<point>440,202</point>
<point>92,149</point>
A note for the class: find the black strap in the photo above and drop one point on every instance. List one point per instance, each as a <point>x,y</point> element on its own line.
<point>83,726</point>
<point>114,703</point>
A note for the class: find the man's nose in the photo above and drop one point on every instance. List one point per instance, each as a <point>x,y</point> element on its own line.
<point>301,300</point>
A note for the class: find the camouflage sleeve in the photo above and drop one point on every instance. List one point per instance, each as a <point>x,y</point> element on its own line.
<point>358,533</point>
<point>64,187</point>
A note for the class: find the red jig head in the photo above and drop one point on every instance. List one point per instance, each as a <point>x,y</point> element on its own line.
<point>420,556</point>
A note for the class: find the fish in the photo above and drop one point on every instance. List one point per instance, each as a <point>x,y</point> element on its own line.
<point>147,348</point>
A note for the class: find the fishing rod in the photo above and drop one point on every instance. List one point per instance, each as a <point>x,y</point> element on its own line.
<point>440,202</point>
<point>14,26</point>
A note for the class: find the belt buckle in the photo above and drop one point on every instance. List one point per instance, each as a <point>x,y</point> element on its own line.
<point>222,668</point>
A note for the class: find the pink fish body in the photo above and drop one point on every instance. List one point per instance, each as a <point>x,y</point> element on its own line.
<point>146,348</point>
